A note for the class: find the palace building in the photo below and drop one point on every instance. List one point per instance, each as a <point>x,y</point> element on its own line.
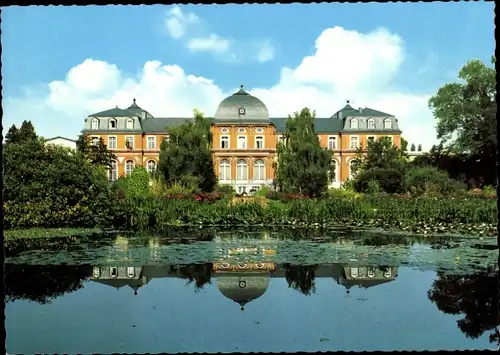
<point>245,138</point>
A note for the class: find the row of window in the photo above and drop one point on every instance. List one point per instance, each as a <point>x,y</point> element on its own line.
<point>129,142</point>
<point>242,142</point>
<point>129,124</point>
<point>370,272</point>
<point>353,143</point>
<point>129,167</point>
<point>259,170</point>
<point>241,130</point>
<point>371,123</point>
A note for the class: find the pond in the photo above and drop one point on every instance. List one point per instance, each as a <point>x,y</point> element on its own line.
<point>252,291</point>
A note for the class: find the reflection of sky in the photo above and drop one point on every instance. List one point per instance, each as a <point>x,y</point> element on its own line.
<point>170,317</point>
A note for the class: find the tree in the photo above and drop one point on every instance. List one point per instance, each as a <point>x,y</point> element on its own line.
<point>96,154</point>
<point>466,115</point>
<point>185,158</point>
<point>419,148</point>
<point>303,166</point>
<point>412,149</point>
<point>47,186</point>
<point>25,133</point>
<point>380,154</point>
<point>474,296</point>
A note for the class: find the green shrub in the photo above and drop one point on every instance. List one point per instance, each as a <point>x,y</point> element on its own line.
<point>389,180</point>
<point>119,187</point>
<point>430,181</point>
<point>263,191</point>
<point>226,190</point>
<point>138,183</point>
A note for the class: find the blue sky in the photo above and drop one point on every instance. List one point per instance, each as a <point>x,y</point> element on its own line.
<point>429,43</point>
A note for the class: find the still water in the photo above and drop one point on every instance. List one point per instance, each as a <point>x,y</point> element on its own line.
<point>250,292</point>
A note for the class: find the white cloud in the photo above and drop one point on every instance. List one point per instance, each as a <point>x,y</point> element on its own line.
<point>212,43</point>
<point>265,52</point>
<point>196,37</point>
<point>346,65</point>
<point>177,22</point>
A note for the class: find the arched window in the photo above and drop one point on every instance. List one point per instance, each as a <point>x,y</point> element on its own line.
<point>129,166</point>
<point>387,123</point>
<point>95,123</point>
<point>113,171</point>
<point>354,123</point>
<point>224,170</point>
<point>241,170</point>
<point>259,170</point>
<point>130,123</point>
<point>371,123</point>
<point>352,165</point>
<point>151,166</point>
<point>336,172</point>
<point>112,124</point>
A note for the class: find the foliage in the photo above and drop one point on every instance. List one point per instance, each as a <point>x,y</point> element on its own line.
<point>25,133</point>
<point>467,111</point>
<point>388,179</point>
<point>95,154</point>
<point>413,148</point>
<point>380,154</point>
<point>138,183</point>
<point>49,186</point>
<point>226,190</point>
<point>186,159</point>
<point>263,191</point>
<point>473,296</point>
<point>429,180</point>
<point>119,187</point>
<point>303,166</point>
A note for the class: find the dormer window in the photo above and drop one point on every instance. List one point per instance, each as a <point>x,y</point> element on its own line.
<point>130,123</point>
<point>241,111</point>
<point>95,123</point>
<point>371,123</point>
<point>354,123</point>
<point>112,123</point>
<point>387,123</point>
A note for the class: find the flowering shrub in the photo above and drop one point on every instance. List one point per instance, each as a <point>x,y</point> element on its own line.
<point>283,197</point>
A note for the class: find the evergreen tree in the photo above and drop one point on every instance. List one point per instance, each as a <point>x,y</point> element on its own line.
<point>303,166</point>
<point>25,133</point>
<point>185,158</point>
<point>96,154</point>
<point>419,147</point>
<point>412,147</point>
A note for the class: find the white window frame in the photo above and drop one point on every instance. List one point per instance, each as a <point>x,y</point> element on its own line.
<point>336,171</point>
<point>130,271</point>
<point>388,273</point>
<point>225,170</point>
<point>368,139</point>
<point>133,141</point>
<point>113,171</point>
<point>224,130</point>
<point>127,126</point>
<point>370,272</point>
<point>257,139</point>
<point>94,124</point>
<point>115,269</point>
<point>224,138</point>
<point>387,123</point>
<point>127,172</point>
<point>242,130</point>
<point>334,139</point>
<point>354,272</point>
<point>242,170</point>
<point>350,168</point>
<point>259,130</point>
<point>256,168</point>
<point>109,123</point>
<point>350,142</point>
<point>151,171</point>
<point>370,120</point>
<point>354,120</point>
<point>115,140</point>
<point>244,140</point>
<point>154,142</point>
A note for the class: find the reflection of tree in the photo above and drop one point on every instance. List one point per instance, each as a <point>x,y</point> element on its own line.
<point>475,296</point>
<point>201,274</point>
<point>301,277</point>
<point>42,283</point>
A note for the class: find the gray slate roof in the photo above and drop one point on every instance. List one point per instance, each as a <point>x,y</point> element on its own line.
<point>229,108</point>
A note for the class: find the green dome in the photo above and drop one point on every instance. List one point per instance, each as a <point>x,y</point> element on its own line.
<point>242,287</point>
<point>241,106</point>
